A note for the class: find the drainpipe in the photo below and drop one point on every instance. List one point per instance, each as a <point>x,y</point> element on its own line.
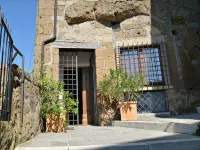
<point>50,40</point>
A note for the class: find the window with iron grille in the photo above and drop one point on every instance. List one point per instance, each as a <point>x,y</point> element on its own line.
<point>150,61</point>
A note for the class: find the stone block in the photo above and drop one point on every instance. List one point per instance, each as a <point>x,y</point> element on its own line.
<point>123,34</point>
<point>48,12</point>
<point>139,32</point>
<point>46,4</point>
<point>132,25</point>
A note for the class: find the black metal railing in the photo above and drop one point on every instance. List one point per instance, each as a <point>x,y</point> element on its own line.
<point>8,53</point>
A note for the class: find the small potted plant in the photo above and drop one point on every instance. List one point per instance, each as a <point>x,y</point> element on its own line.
<point>124,89</point>
<point>55,101</point>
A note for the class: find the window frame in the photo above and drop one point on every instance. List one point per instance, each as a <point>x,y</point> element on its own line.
<point>141,63</point>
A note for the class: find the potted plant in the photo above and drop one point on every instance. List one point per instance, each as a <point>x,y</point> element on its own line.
<point>55,102</point>
<point>123,89</point>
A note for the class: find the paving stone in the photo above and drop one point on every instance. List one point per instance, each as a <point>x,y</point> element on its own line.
<point>111,138</point>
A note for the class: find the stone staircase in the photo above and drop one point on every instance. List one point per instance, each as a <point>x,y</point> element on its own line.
<point>173,124</point>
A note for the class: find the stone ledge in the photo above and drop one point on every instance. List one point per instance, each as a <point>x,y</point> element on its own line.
<point>85,45</point>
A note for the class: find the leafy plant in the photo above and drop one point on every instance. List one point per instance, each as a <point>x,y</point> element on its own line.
<point>66,124</point>
<point>50,89</point>
<point>198,130</point>
<point>116,87</point>
<point>119,86</point>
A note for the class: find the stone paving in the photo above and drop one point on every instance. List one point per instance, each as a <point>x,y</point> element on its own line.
<point>103,138</point>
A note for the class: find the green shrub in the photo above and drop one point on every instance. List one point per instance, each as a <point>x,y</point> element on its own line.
<point>49,91</point>
<point>198,130</point>
<point>119,86</point>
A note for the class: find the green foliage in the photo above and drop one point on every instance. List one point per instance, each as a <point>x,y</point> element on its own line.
<point>198,131</point>
<point>50,89</point>
<point>66,124</point>
<point>120,86</point>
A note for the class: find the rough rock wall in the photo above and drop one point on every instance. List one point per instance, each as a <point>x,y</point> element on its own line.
<point>104,10</point>
<point>180,20</point>
<point>12,133</point>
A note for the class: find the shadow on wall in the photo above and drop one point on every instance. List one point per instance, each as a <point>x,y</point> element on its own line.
<point>178,21</point>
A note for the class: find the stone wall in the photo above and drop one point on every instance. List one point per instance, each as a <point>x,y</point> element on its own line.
<point>12,133</point>
<point>180,21</point>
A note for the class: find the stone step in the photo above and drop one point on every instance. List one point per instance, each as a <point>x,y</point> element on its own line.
<point>171,127</point>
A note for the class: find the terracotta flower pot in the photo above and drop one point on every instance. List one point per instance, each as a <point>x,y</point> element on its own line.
<point>128,110</point>
<point>55,123</point>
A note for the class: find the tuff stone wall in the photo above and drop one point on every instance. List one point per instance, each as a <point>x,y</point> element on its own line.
<point>12,133</point>
<point>104,10</point>
<point>180,21</point>
<point>88,24</point>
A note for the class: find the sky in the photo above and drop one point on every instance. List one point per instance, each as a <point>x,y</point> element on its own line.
<point>21,18</point>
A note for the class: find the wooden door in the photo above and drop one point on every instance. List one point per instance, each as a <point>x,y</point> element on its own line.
<point>87,102</point>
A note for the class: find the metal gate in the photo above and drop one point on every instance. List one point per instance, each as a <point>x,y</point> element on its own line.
<point>68,73</point>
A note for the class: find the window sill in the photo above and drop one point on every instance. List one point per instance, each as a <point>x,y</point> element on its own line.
<point>158,87</point>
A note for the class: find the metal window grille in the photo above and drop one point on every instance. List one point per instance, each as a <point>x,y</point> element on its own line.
<point>68,73</point>
<point>152,62</point>
<point>152,102</point>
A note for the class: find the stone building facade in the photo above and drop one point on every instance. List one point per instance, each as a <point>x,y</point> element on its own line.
<point>160,39</point>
